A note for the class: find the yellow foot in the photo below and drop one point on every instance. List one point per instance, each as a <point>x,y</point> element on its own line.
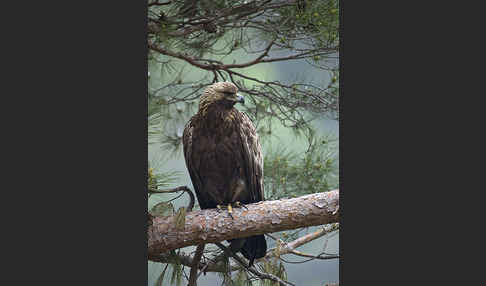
<point>230,207</point>
<point>239,205</point>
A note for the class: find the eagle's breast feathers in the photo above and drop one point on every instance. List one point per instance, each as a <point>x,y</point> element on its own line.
<point>223,155</point>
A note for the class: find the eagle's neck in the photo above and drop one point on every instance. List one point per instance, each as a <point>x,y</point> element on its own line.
<point>217,118</point>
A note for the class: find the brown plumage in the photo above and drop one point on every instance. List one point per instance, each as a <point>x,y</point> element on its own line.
<point>224,158</point>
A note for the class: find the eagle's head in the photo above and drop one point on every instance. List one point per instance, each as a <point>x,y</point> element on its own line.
<point>222,94</point>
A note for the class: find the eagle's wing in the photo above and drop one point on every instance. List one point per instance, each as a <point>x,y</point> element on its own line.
<point>191,167</point>
<point>252,157</point>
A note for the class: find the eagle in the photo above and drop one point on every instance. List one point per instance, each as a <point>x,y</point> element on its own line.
<point>224,159</point>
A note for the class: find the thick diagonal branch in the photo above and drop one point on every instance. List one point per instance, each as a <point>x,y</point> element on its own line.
<point>209,226</point>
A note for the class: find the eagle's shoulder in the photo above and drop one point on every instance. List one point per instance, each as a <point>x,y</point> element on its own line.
<point>245,123</point>
<point>245,117</point>
<point>187,135</point>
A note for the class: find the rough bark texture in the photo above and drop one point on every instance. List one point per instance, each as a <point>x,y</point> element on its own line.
<point>211,225</point>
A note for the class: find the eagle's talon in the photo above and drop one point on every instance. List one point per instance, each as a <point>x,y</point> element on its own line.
<point>230,211</point>
<point>240,205</point>
<point>220,208</point>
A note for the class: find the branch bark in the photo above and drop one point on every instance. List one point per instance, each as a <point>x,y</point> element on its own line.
<point>211,225</point>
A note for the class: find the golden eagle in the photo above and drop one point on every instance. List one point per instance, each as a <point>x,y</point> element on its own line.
<point>224,158</point>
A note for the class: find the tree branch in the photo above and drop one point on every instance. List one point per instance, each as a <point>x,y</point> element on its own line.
<point>290,247</point>
<point>260,59</point>
<point>217,266</point>
<point>211,225</point>
<point>319,256</point>
<point>156,3</point>
<point>197,257</point>
<point>175,190</point>
<point>261,275</point>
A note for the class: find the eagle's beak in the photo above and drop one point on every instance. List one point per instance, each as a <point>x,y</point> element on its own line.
<point>240,99</point>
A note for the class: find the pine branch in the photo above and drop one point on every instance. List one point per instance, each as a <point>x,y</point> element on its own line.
<point>197,257</point>
<point>175,190</point>
<point>261,275</point>
<point>211,225</point>
<point>290,247</point>
<point>217,266</point>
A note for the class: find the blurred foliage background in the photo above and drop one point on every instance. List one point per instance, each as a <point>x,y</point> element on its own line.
<point>283,56</point>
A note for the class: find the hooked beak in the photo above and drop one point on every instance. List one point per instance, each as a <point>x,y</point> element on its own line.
<point>240,99</point>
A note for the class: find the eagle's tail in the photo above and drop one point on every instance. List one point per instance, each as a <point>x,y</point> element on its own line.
<point>255,247</point>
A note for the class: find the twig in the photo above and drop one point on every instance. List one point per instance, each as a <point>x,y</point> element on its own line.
<point>261,275</point>
<point>156,3</point>
<point>197,257</point>
<point>319,256</point>
<point>175,190</point>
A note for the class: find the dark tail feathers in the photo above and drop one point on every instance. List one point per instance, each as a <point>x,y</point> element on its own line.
<point>255,247</point>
